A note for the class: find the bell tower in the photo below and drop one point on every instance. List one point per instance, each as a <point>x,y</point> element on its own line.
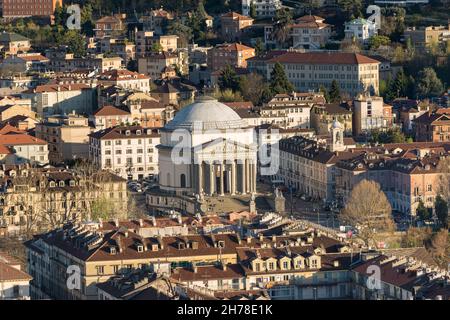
<point>337,137</point>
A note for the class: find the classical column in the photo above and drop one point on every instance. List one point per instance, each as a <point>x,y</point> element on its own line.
<point>247,176</point>
<point>250,177</point>
<point>255,176</point>
<point>242,173</point>
<point>221,178</point>
<point>199,178</point>
<point>233,178</point>
<point>212,179</point>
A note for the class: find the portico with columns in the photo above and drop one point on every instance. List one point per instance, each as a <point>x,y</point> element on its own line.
<point>223,153</point>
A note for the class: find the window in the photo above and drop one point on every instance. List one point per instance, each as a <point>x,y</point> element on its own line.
<point>100,269</point>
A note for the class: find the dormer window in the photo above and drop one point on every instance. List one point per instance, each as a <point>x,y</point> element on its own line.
<point>127,133</point>
<point>140,248</point>
<point>181,246</point>
<point>138,132</point>
<point>154,247</point>
<point>314,263</point>
<point>72,183</point>
<point>112,250</point>
<point>221,244</point>
<point>61,184</point>
<point>52,184</point>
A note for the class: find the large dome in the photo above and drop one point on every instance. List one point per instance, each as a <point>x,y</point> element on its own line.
<point>206,113</point>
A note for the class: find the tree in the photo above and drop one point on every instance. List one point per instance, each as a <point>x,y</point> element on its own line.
<point>282,27</point>
<point>253,13</point>
<point>350,8</point>
<point>254,88</point>
<point>440,248</point>
<point>377,41</point>
<point>334,94</point>
<point>157,47</point>
<point>444,190</point>
<point>228,79</point>
<point>324,91</point>
<point>75,41</point>
<point>422,212</point>
<point>279,82</point>
<point>368,209</point>
<point>441,209</point>
<point>400,84</point>
<point>259,47</point>
<point>416,237</point>
<point>429,85</point>
<point>184,32</point>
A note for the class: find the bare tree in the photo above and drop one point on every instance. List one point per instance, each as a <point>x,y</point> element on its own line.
<point>369,209</point>
<point>440,247</point>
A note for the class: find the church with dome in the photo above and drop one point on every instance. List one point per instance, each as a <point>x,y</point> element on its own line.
<point>207,150</point>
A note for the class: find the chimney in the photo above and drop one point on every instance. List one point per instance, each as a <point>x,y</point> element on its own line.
<point>154,221</point>
<point>100,221</point>
<point>116,222</point>
<point>141,222</point>
<point>261,237</point>
<point>274,238</point>
<point>179,219</point>
<point>249,239</point>
<point>224,266</point>
<point>194,267</point>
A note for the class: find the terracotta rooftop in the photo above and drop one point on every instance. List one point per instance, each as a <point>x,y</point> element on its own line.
<point>323,58</point>
<point>110,111</point>
<point>15,139</point>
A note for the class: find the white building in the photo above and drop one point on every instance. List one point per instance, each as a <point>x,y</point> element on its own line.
<point>24,148</point>
<point>310,32</point>
<point>360,29</point>
<point>14,283</point>
<point>125,79</point>
<point>264,8</point>
<point>60,99</point>
<point>129,152</point>
<point>220,151</point>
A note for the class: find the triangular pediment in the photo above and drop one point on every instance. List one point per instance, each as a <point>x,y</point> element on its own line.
<point>224,145</point>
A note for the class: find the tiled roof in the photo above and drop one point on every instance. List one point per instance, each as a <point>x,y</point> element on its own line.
<point>9,273</point>
<point>236,16</point>
<point>111,111</point>
<point>233,47</point>
<point>117,75</point>
<point>58,87</point>
<point>11,37</point>
<point>121,133</point>
<point>323,58</point>
<point>15,139</point>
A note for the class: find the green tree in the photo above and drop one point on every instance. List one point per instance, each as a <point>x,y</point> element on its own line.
<point>429,85</point>
<point>350,8</point>
<point>423,212</point>
<point>400,84</point>
<point>282,27</point>
<point>324,90</point>
<point>228,79</point>
<point>157,47</point>
<point>75,41</point>
<point>279,82</point>
<point>253,10</point>
<point>60,15</point>
<point>184,32</point>
<point>376,41</point>
<point>259,47</point>
<point>334,94</point>
<point>441,209</point>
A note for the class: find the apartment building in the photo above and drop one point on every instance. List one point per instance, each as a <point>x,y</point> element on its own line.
<point>370,112</point>
<point>62,62</point>
<point>407,173</point>
<point>33,199</point>
<point>14,282</point>
<point>12,43</point>
<point>354,73</point>
<point>323,117</point>
<point>360,30</point>
<point>109,26</point>
<point>60,99</point>
<point>432,127</point>
<point>29,8</point>
<point>423,38</point>
<point>264,8</point>
<point>155,64</point>
<point>26,62</point>
<point>123,48</point>
<point>310,32</point>
<point>308,166</point>
<point>125,79</point>
<point>232,25</point>
<point>11,107</point>
<point>67,137</point>
<point>233,54</point>
<point>145,40</point>
<point>18,147</point>
<point>130,152</point>
<point>156,20</point>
